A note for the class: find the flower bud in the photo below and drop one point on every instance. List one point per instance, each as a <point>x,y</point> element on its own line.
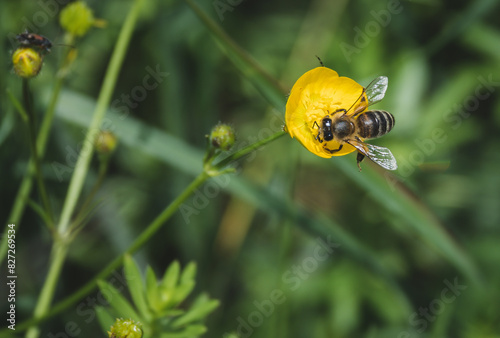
<point>77,18</point>
<point>222,137</point>
<point>125,328</point>
<point>106,142</point>
<point>27,62</point>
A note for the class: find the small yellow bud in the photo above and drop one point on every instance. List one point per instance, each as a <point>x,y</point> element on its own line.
<point>125,328</point>
<point>222,137</point>
<point>106,142</point>
<point>77,18</point>
<point>27,62</point>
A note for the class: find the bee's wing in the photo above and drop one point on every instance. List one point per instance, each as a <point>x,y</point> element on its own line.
<point>380,155</point>
<point>372,94</point>
<point>375,91</point>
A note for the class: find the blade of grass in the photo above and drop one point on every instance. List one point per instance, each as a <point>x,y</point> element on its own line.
<point>450,98</point>
<point>394,196</point>
<point>460,24</point>
<point>483,38</point>
<point>315,225</point>
<point>263,82</point>
<point>133,133</point>
<point>185,158</point>
<point>375,182</point>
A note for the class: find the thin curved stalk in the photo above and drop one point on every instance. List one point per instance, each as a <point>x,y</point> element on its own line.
<point>24,191</point>
<point>60,248</point>
<point>151,229</point>
<point>82,164</point>
<point>34,153</point>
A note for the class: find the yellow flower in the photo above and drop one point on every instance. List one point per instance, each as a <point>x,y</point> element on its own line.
<point>316,94</point>
<point>27,62</point>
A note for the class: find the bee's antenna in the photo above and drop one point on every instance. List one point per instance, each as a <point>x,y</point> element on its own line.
<point>320,62</point>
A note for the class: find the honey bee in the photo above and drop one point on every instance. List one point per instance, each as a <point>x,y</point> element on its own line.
<point>352,125</point>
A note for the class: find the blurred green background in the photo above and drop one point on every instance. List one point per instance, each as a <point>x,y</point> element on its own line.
<point>415,252</point>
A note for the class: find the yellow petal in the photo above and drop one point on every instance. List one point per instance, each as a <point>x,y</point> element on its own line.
<point>316,94</point>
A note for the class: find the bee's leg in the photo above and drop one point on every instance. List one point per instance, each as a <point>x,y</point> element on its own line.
<point>334,150</point>
<point>359,158</point>
<point>317,138</point>
<point>361,108</point>
<point>341,110</point>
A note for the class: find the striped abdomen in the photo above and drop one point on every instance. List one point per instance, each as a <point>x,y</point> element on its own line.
<point>374,123</point>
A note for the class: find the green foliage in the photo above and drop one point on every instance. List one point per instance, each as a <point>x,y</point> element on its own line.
<point>416,251</point>
<point>125,329</point>
<point>157,305</point>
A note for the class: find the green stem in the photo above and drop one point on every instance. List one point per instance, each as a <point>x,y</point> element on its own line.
<point>82,164</point>
<point>167,213</point>
<point>103,167</point>
<point>24,191</point>
<point>59,251</point>
<point>248,149</point>
<point>151,229</point>
<point>34,152</point>
<point>147,233</point>
<point>19,107</point>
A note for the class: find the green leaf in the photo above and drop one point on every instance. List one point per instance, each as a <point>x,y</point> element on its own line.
<point>201,308</point>
<point>117,301</point>
<point>186,283</point>
<point>173,313</point>
<point>105,319</point>
<point>152,291</point>
<point>189,273</point>
<point>183,291</point>
<point>171,276</point>
<point>131,132</point>
<point>136,286</point>
<point>190,331</point>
